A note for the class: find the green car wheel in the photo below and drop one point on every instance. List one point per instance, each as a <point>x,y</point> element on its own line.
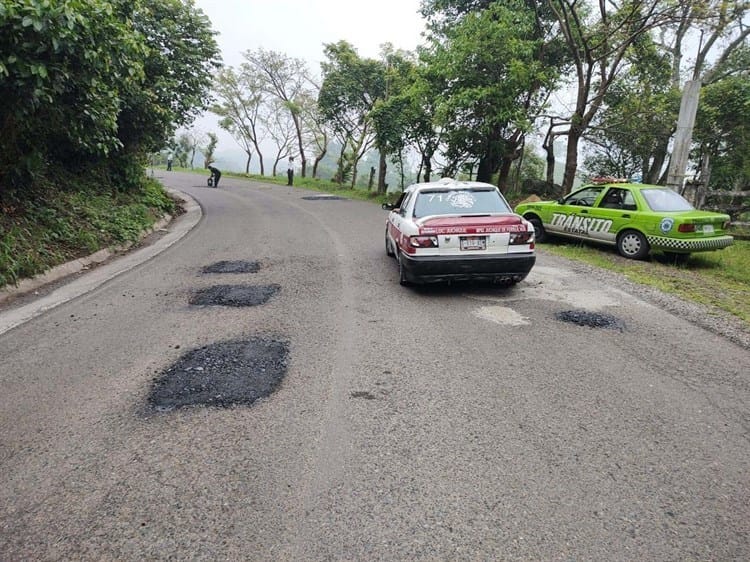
<point>633,245</point>
<point>539,233</point>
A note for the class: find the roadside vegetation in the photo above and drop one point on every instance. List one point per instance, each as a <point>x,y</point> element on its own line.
<point>717,279</point>
<point>40,233</point>
<point>90,89</point>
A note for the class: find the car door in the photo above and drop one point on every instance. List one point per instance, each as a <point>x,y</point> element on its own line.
<point>614,211</point>
<point>397,217</point>
<point>572,216</point>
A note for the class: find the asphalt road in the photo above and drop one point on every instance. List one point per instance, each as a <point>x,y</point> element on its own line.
<point>458,423</point>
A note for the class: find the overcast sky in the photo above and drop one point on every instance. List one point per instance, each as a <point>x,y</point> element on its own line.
<point>299,28</point>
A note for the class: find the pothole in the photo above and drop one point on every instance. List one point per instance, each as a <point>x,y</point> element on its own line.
<point>323,198</point>
<point>590,319</point>
<point>234,295</point>
<point>232,267</point>
<point>223,374</point>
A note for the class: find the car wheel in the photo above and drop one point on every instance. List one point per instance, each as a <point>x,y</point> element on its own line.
<point>633,245</point>
<point>402,272</point>
<point>540,235</point>
<point>388,248</point>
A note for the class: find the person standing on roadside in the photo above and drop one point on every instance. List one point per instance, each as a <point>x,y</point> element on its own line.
<point>215,175</point>
<point>290,171</point>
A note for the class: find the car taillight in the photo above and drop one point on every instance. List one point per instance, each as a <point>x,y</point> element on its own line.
<point>424,241</point>
<point>521,237</point>
<point>686,228</point>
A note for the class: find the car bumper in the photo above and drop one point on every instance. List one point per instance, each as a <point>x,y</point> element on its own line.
<point>690,245</point>
<point>429,269</point>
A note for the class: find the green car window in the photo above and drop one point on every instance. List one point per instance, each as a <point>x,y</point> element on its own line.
<point>584,197</point>
<point>665,200</point>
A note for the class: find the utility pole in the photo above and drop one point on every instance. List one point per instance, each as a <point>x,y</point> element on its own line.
<point>685,123</point>
<point>684,134</point>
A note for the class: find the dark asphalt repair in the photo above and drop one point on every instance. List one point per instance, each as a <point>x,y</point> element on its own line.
<point>222,375</point>
<point>324,198</point>
<point>232,267</point>
<point>590,319</point>
<point>234,295</point>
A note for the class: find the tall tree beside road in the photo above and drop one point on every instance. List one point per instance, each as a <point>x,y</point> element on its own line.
<point>723,133</point>
<point>240,107</point>
<point>494,61</point>
<point>286,78</point>
<point>351,86</point>
<point>598,40</point>
<point>390,114</point>
<point>630,135</point>
<point>97,83</point>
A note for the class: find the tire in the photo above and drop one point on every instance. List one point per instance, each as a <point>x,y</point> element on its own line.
<point>633,245</point>
<point>540,235</point>
<point>388,249</point>
<point>403,281</point>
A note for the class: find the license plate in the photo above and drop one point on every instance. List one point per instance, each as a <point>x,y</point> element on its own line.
<point>708,229</point>
<point>473,242</point>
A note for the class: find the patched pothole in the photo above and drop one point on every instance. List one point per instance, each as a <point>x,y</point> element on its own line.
<point>323,198</point>
<point>590,319</point>
<point>234,295</point>
<point>232,267</point>
<point>222,374</point>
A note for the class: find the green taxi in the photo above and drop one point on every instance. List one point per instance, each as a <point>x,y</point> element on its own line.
<point>634,217</point>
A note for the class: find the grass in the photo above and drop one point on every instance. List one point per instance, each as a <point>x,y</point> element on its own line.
<point>40,233</point>
<point>718,279</point>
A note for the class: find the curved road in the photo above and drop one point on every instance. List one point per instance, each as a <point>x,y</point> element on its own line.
<point>450,423</point>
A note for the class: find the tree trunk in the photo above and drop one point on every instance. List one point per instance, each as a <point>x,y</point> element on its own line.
<point>485,169</point>
<point>504,172</point>
<point>300,144</point>
<point>571,156</point>
<point>660,156</point>
<point>247,163</point>
<point>382,168</point>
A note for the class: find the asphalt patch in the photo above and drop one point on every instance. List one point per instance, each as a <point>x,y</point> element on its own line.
<point>323,198</point>
<point>222,375</point>
<point>234,295</point>
<point>590,319</point>
<point>232,267</point>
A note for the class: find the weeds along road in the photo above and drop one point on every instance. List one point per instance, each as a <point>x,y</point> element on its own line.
<point>460,423</point>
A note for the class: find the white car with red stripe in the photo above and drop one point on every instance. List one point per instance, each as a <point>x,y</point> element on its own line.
<point>458,230</point>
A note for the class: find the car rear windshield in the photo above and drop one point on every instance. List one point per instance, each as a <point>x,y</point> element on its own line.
<point>665,200</point>
<point>460,202</point>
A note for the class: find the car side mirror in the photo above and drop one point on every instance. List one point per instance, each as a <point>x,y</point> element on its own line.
<point>388,206</point>
<point>561,201</point>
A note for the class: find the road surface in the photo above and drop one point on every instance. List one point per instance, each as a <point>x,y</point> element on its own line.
<point>450,423</point>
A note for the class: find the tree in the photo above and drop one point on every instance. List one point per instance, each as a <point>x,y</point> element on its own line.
<point>492,60</point>
<point>598,41</point>
<point>241,99</point>
<point>390,114</point>
<point>282,130</point>
<point>351,86</point>
<point>63,68</point>
<point>287,79</point>
<point>209,150</point>
<point>723,133</point>
<point>631,133</point>
<point>97,83</point>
